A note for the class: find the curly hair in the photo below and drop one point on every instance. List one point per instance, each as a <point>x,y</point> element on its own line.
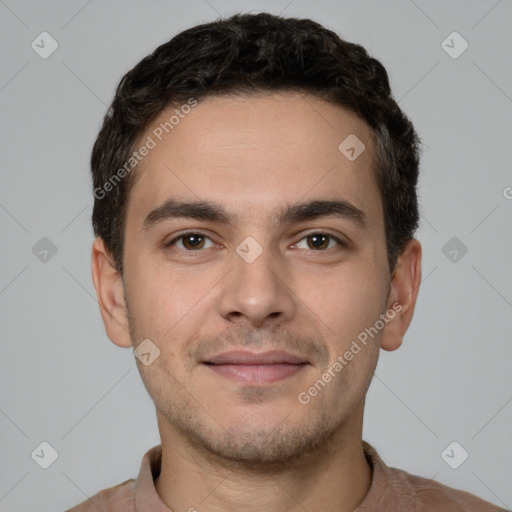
<point>250,53</point>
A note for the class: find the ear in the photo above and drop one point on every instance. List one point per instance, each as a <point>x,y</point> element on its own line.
<point>405,284</point>
<point>110,292</point>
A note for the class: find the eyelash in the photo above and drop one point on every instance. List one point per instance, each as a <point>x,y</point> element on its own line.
<point>341,243</point>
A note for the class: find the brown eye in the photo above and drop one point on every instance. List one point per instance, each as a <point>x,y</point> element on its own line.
<point>320,241</point>
<point>193,241</point>
<point>189,241</point>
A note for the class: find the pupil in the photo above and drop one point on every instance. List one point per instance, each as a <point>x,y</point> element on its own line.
<point>317,238</point>
<point>192,238</point>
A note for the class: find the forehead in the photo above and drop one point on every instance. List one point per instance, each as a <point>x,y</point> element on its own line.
<point>254,154</point>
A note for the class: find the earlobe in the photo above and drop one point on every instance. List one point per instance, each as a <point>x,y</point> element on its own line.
<point>405,285</point>
<point>110,294</point>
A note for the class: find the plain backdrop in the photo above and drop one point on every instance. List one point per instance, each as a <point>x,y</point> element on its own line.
<point>64,383</point>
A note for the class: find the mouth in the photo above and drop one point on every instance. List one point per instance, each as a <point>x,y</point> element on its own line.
<point>262,368</point>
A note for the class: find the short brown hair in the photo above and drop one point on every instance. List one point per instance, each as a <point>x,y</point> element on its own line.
<point>249,53</point>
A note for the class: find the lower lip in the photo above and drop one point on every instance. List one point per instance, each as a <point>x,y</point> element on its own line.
<point>257,373</point>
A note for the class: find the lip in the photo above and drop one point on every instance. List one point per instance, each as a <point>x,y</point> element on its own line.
<point>241,357</point>
<point>262,368</point>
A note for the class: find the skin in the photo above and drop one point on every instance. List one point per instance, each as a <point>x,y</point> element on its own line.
<point>226,445</point>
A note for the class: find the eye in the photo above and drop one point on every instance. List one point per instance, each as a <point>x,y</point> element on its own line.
<point>319,241</point>
<point>192,241</point>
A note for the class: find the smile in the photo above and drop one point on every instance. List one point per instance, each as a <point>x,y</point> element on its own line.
<point>256,367</point>
<point>257,373</point>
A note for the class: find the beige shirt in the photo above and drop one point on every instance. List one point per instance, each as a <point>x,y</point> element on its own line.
<point>391,490</point>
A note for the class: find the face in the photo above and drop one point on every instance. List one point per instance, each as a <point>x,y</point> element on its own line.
<point>286,290</point>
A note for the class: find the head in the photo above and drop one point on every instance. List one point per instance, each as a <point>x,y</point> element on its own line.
<point>231,213</point>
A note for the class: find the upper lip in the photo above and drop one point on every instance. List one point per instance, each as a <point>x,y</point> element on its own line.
<point>243,357</point>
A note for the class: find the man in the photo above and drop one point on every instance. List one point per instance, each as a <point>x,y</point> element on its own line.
<point>255,210</point>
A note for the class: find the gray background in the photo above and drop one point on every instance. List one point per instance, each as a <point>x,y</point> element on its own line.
<point>64,382</point>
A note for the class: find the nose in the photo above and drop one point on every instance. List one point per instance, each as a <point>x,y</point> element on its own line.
<point>258,292</point>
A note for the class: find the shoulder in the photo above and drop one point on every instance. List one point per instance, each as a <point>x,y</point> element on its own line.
<point>430,495</point>
<point>118,498</point>
<point>392,487</point>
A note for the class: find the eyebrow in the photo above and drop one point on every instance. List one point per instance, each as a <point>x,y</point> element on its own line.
<point>289,214</point>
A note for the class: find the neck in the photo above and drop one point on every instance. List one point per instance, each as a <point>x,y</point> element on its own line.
<point>336,477</point>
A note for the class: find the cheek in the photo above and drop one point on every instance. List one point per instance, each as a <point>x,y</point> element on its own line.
<point>166,302</point>
<point>344,302</point>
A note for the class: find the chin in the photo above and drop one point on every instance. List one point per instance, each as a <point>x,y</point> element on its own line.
<point>262,443</point>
